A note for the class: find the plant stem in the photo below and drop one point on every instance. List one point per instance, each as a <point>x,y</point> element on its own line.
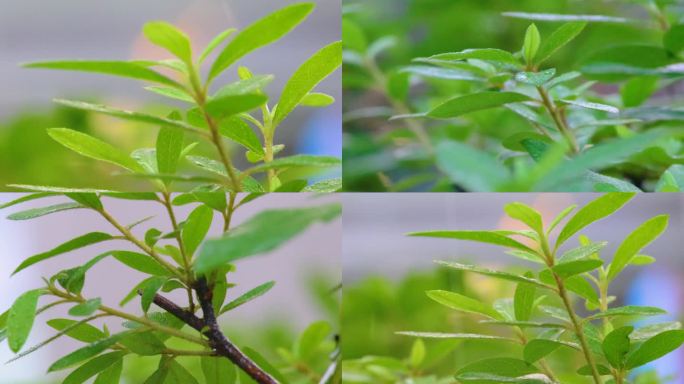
<point>178,352</point>
<point>147,249</point>
<point>577,325</point>
<point>127,316</point>
<point>186,259</point>
<point>558,119</point>
<point>228,216</point>
<point>399,106</point>
<point>221,344</point>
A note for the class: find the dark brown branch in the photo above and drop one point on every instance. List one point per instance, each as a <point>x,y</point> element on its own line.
<point>219,341</point>
<point>209,328</point>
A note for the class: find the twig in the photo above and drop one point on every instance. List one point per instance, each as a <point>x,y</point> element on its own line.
<point>209,327</point>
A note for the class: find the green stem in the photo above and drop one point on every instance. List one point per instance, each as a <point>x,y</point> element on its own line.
<point>400,107</point>
<point>147,249</point>
<point>179,239</point>
<point>558,119</point>
<point>577,325</point>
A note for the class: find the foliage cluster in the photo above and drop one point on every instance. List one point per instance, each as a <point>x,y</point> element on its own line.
<point>496,120</point>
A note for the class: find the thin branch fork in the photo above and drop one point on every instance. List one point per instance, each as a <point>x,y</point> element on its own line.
<point>209,328</point>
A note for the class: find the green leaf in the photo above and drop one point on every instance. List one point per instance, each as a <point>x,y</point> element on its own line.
<point>628,310</point>
<point>535,78</point>
<point>501,366</point>
<point>296,161</point>
<point>488,378</point>
<point>25,197</point>
<point>93,367</point>
<point>469,167</point>
<point>217,370</point>
<point>655,347</point>
<point>616,346</point>
<point>143,344</point>
<point>461,105</point>
<point>97,149</point>
<point>325,186</point>
<point>308,75</point>
<point>128,115</point>
<point>196,228</point>
<point>418,352</point>
<point>310,340</point>
<point>250,85</point>
<point>569,18</point>
<point>672,180</point>
<point>260,33</point>
<point>587,371</point>
<point>116,68</point>
<point>168,149</point>
<point>215,42</point>
<point>111,375</point>
<point>558,39</point>
<point>240,132</point>
<point>38,212</point>
<point>492,273</point>
<point>596,210</point>
<point>531,44</point>
<point>353,36</point>
<point>248,296</point>
<point>79,242</point>
<point>231,105</point>
<point>456,336</point>
<point>489,237</point>
<point>463,303</point>
<point>317,100</point>
<point>140,262</point>
<point>635,242</point>
<point>539,348</point>
<point>149,290</point>
<point>525,214</point>
<point>487,54</point>
<point>20,318</point>
<point>172,39</point>
<point>179,375</point>
<point>674,39</point>
<point>82,332</point>
<point>523,300</point>
<point>576,267</point>
<point>621,62</point>
<point>262,233</point>
<point>637,90</point>
<point>582,252</point>
<point>594,106</point>
<point>86,308</point>
<point>85,353</point>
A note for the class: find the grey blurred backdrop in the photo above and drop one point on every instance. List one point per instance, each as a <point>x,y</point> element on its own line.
<point>33,30</point>
<point>374,242</point>
<point>317,251</point>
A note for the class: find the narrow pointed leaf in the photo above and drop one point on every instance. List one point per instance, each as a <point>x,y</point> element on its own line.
<point>458,336</point>
<point>463,303</point>
<point>558,39</point>
<point>170,38</point>
<point>79,242</point>
<point>116,68</point>
<point>592,212</point>
<point>304,80</point>
<point>635,242</point>
<point>231,105</point>
<point>628,310</point>
<point>86,308</point>
<point>77,330</point>
<point>196,228</point>
<point>576,267</point>
<point>38,212</point>
<point>84,353</point>
<point>493,273</point>
<point>262,233</point>
<point>20,319</point>
<point>248,296</point>
<point>215,42</point>
<point>489,237</point>
<point>260,33</point>
<point>655,347</point>
<point>93,148</point>
<point>217,370</point>
<point>461,105</point>
<point>92,368</point>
